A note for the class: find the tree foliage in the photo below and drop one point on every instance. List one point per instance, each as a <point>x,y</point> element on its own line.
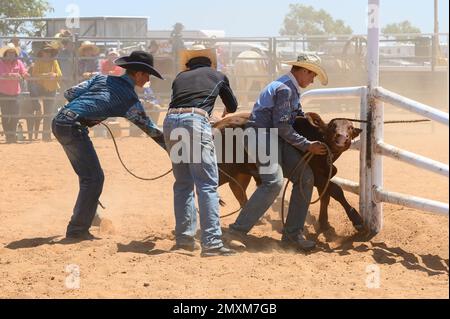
<point>400,28</point>
<point>305,20</point>
<point>21,9</point>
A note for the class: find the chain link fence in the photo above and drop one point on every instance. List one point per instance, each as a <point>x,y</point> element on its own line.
<point>410,65</point>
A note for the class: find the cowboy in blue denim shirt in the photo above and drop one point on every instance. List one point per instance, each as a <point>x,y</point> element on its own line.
<point>90,103</point>
<point>277,107</point>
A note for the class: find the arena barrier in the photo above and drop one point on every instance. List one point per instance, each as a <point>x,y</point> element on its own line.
<point>372,148</point>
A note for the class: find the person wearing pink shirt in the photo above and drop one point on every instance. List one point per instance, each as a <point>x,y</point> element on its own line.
<point>108,67</point>
<point>12,70</point>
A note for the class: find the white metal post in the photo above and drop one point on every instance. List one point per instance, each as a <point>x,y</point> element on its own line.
<point>362,157</point>
<point>374,162</point>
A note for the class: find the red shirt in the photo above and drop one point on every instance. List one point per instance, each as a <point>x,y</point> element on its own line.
<point>106,66</point>
<point>11,86</point>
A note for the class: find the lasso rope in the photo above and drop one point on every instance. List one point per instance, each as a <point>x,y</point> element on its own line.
<point>386,122</point>
<point>123,164</point>
<point>163,175</point>
<point>305,161</point>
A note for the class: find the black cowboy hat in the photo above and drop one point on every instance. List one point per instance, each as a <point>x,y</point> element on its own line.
<point>139,61</point>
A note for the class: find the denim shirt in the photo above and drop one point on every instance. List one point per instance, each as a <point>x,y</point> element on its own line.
<point>277,107</point>
<point>109,96</point>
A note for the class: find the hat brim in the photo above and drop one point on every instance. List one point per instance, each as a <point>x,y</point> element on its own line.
<point>53,51</point>
<point>124,62</point>
<point>6,49</point>
<point>84,47</point>
<point>321,73</point>
<point>187,55</point>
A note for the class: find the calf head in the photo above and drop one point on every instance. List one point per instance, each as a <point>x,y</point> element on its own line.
<point>338,134</point>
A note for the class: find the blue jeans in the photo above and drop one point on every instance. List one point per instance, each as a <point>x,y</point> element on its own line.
<point>81,153</point>
<point>299,200</point>
<point>267,191</point>
<point>191,170</point>
<point>272,183</point>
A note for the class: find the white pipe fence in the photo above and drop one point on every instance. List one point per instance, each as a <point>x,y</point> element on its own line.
<point>410,105</point>
<point>411,158</point>
<point>414,202</point>
<point>366,188</point>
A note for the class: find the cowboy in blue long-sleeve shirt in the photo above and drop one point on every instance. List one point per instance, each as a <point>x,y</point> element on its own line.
<point>90,103</point>
<point>277,108</point>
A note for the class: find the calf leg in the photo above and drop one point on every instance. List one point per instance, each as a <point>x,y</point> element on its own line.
<point>324,202</point>
<point>337,193</point>
<point>239,189</point>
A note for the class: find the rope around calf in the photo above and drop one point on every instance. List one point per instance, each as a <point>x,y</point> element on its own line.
<point>305,160</point>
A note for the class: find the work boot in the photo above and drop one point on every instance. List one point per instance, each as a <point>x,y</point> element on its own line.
<point>80,236</point>
<point>214,252</point>
<point>193,246</point>
<point>235,238</point>
<point>298,241</point>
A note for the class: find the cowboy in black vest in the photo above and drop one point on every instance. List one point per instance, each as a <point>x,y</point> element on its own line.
<point>194,93</point>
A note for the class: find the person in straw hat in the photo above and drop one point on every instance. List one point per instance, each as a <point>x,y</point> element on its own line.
<point>88,64</point>
<point>12,70</point>
<point>277,107</point>
<point>23,55</point>
<point>64,41</point>
<point>47,74</point>
<point>194,92</point>
<point>90,103</point>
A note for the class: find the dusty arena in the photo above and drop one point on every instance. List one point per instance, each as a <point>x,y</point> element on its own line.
<point>133,258</point>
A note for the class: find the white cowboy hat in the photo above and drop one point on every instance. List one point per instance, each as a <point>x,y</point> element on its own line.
<point>310,62</point>
<point>197,51</point>
<point>88,44</point>
<point>9,47</point>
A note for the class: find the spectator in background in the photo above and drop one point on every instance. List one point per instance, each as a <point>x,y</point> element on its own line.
<point>23,55</point>
<point>176,39</point>
<point>88,65</point>
<point>108,67</point>
<point>47,69</point>
<point>153,48</point>
<point>13,69</point>
<point>221,59</point>
<point>66,57</point>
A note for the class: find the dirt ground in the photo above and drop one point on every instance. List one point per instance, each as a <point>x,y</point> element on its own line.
<point>134,258</point>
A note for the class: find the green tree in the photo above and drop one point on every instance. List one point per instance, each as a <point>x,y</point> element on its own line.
<point>22,9</point>
<point>400,28</point>
<point>305,20</point>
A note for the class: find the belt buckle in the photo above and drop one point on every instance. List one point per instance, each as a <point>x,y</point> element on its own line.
<point>71,114</point>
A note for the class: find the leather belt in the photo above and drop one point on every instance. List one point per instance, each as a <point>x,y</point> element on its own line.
<point>70,114</point>
<point>76,117</point>
<point>188,110</point>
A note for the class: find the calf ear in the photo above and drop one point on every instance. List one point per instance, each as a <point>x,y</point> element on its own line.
<point>356,132</point>
<point>315,120</point>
